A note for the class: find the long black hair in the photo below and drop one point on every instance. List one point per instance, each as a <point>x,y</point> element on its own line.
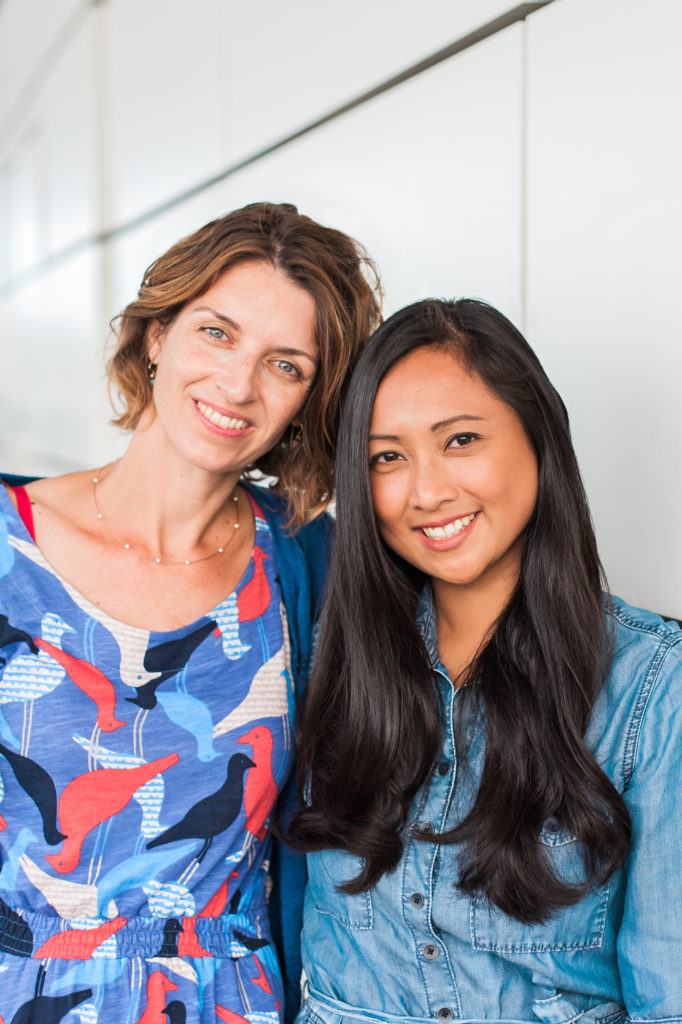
<point>372,729</point>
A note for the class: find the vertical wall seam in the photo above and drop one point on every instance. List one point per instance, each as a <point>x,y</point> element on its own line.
<point>512,16</point>
<point>523,184</point>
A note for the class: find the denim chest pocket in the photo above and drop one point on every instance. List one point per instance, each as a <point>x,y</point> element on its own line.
<point>580,926</point>
<point>328,869</point>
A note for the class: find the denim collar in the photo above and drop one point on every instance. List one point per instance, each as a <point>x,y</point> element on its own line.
<point>427,625</point>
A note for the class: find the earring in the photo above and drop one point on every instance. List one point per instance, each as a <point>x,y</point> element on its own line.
<point>151,372</point>
<point>295,435</point>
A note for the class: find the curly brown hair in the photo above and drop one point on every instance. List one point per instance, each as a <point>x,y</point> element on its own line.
<point>332,267</point>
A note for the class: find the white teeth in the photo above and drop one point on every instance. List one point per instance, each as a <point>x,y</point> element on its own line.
<point>449,530</point>
<point>221,421</point>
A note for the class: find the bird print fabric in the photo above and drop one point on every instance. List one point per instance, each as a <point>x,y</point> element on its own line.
<point>138,773</point>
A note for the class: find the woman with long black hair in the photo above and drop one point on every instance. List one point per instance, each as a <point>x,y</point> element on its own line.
<point>492,748</point>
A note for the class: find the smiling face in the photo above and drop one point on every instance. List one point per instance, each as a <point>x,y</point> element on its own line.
<point>453,474</point>
<point>233,369</point>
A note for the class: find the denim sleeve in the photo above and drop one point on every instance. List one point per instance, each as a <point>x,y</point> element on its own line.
<point>650,937</point>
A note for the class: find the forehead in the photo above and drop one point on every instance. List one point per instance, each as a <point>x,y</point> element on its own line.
<point>256,280</point>
<point>429,381</point>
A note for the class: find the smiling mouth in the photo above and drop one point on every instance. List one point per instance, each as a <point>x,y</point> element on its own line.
<point>218,420</point>
<point>450,529</point>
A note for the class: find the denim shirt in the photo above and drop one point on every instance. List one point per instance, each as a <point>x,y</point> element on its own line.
<point>416,947</point>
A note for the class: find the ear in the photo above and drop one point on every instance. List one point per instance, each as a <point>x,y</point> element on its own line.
<point>153,337</point>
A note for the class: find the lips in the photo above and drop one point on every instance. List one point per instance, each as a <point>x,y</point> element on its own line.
<point>218,419</point>
<point>449,529</point>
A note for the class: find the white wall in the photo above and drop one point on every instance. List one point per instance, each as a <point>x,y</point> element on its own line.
<point>538,169</point>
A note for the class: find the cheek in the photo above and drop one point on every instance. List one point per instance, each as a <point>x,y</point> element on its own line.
<point>389,503</point>
<point>521,490</point>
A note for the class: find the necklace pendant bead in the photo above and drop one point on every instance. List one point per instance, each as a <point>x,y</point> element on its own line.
<point>187,561</point>
<point>127,547</point>
<point>158,561</point>
<point>220,550</point>
<point>100,516</point>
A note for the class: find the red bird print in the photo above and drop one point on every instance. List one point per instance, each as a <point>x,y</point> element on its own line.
<point>188,943</point>
<point>157,987</point>
<point>260,791</point>
<point>218,900</point>
<point>229,1016</point>
<point>3,826</point>
<point>79,944</point>
<point>260,979</point>
<point>254,598</point>
<point>92,798</point>
<point>91,681</point>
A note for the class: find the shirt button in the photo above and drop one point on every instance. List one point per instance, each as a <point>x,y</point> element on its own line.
<point>553,825</point>
<point>427,827</point>
<point>445,1013</point>
<point>443,769</point>
<point>417,900</point>
<point>430,951</point>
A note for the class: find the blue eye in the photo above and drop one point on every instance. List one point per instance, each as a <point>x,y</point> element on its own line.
<point>217,333</point>
<point>288,368</point>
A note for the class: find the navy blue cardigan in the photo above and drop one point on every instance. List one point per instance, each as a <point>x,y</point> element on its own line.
<point>302,566</point>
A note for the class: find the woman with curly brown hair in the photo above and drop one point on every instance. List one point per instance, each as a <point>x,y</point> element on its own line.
<point>155,629</point>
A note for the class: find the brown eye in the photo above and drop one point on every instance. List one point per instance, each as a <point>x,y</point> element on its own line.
<point>461,440</point>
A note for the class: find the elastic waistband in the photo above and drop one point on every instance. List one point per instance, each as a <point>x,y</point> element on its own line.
<point>28,934</point>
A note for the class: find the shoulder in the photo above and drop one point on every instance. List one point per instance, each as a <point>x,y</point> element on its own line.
<point>314,536</point>
<point>53,491</point>
<point>643,691</point>
<point>642,640</point>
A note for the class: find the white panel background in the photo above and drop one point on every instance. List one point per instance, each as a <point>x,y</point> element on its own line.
<point>539,169</point>
<point>604,268</point>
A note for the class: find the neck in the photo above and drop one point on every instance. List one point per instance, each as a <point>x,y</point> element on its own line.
<point>164,506</point>
<point>466,617</point>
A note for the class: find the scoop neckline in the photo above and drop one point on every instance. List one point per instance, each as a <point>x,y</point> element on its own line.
<point>84,603</point>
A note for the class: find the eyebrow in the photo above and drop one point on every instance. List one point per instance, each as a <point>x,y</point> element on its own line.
<point>434,427</point>
<point>284,349</point>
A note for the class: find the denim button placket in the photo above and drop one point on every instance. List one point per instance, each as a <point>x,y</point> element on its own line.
<point>443,768</point>
<point>445,1013</point>
<point>417,900</point>
<point>430,951</point>
<point>427,828</point>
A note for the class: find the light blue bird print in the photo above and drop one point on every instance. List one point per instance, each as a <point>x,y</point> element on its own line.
<point>193,715</point>
<point>27,677</point>
<point>10,867</point>
<point>140,870</point>
<point>6,552</point>
<point>88,972</point>
<point>227,617</point>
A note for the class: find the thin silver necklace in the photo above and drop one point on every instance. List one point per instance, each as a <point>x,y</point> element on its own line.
<point>151,558</point>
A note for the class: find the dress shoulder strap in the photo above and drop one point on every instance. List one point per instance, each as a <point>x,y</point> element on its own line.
<point>24,509</point>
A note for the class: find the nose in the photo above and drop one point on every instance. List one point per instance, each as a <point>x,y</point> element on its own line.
<point>432,483</point>
<point>238,379</point>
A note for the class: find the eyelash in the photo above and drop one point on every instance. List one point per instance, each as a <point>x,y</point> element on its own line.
<point>296,375</point>
<point>384,459</point>
<point>467,436</point>
<point>375,460</point>
<point>218,334</point>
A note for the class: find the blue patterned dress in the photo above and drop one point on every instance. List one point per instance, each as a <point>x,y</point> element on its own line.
<point>138,771</point>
